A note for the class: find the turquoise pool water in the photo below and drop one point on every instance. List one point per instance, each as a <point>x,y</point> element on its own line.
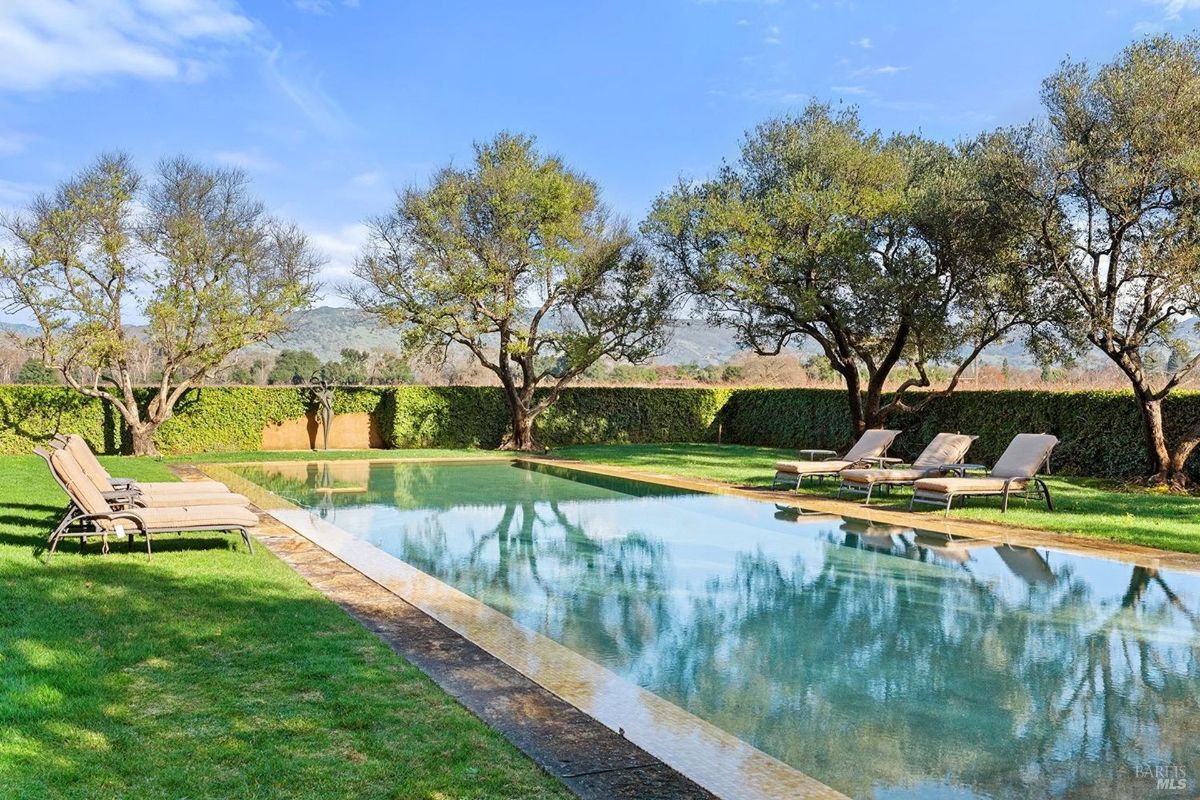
<point>883,661</point>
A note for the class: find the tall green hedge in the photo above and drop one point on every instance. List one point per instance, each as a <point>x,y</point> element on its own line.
<point>1100,431</point>
<point>30,415</point>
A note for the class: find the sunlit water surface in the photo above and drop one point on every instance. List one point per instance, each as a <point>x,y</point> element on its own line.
<point>883,661</point>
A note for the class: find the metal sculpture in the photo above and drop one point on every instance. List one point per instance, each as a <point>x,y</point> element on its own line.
<point>322,390</point>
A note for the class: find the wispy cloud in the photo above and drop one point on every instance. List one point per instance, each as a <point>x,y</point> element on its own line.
<point>864,43</point>
<point>322,6</point>
<point>71,43</point>
<point>854,90</point>
<point>13,142</point>
<point>886,69</point>
<point>367,180</point>
<point>1175,8</point>
<point>772,36</point>
<point>303,87</point>
<point>765,96</point>
<point>248,160</point>
<point>341,245</point>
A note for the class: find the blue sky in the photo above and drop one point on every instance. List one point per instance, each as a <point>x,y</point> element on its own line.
<point>330,105</point>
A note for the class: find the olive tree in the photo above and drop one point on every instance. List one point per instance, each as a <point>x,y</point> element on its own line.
<point>1113,174</point>
<point>515,259</point>
<point>190,254</point>
<point>885,252</point>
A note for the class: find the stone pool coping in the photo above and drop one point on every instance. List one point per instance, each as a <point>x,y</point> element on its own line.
<point>704,760</point>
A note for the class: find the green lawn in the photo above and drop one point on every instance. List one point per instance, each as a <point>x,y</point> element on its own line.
<point>1085,507</point>
<point>210,673</point>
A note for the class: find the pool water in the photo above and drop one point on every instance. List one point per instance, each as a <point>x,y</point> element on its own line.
<point>884,661</point>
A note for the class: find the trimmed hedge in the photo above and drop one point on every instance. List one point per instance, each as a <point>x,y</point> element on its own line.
<point>1100,431</point>
<point>30,415</point>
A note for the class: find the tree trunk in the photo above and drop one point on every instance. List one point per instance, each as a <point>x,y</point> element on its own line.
<point>520,438</point>
<point>1166,470</point>
<point>858,417</point>
<point>142,438</point>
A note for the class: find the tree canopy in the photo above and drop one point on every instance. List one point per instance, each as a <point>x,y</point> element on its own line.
<point>190,252</point>
<point>1113,177</point>
<point>882,251</point>
<point>515,259</point>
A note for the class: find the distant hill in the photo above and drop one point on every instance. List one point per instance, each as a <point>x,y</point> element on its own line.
<point>326,330</point>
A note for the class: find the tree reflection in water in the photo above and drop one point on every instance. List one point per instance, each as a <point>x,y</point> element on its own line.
<point>880,660</point>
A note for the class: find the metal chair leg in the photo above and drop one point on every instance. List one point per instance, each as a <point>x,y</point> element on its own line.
<point>1046,494</point>
<point>870,488</point>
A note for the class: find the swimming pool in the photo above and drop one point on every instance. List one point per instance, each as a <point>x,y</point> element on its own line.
<point>885,662</point>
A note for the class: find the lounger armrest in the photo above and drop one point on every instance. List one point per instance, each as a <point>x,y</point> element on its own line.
<point>123,496</point>
<point>113,516</point>
<point>124,483</point>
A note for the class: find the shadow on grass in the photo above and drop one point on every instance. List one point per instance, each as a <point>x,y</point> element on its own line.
<point>207,674</point>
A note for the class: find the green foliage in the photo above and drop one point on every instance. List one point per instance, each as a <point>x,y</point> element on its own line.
<point>447,416</point>
<point>391,369</point>
<point>884,252</point>
<point>201,260</point>
<point>34,371</point>
<point>596,415</point>
<point>30,415</point>
<point>212,419</point>
<point>1100,431</point>
<point>515,259</point>
<point>294,366</point>
<point>632,373</point>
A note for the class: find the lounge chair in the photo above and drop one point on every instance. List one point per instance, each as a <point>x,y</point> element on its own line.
<point>90,514</point>
<point>946,448</point>
<point>1015,473</point>
<point>869,450</point>
<point>161,494</point>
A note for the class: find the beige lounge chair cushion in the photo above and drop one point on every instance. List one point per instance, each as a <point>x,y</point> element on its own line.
<point>871,444</point>
<point>1024,455</point>
<point>967,485</point>
<point>164,500</point>
<point>181,487</point>
<point>182,518</point>
<point>812,467</point>
<point>78,447</point>
<point>945,448</point>
<point>870,477</point>
<point>84,493</point>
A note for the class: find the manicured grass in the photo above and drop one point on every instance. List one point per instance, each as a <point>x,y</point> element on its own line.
<point>1085,507</point>
<point>210,673</point>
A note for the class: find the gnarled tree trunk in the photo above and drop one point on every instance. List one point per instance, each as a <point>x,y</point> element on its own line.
<point>142,438</point>
<point>520,437</point>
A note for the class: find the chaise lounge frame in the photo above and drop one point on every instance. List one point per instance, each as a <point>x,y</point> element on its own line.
<point>78,523</point>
